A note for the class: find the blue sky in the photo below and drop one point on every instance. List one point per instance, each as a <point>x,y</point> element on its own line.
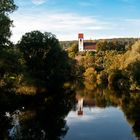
<point>66,18</point>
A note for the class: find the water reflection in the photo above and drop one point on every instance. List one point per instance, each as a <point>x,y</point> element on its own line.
<point>39,122</point>
<point>98,114</point>
<point>127,102</point>
<point>80,106</point>
<point>4,126</point>
<point>98,124</point>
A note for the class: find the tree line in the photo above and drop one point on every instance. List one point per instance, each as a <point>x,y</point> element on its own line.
<point>115,64</point>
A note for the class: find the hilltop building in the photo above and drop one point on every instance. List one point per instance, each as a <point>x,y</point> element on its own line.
<point>88,45</point>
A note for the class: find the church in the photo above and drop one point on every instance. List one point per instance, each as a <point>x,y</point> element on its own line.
<point>88,45</point>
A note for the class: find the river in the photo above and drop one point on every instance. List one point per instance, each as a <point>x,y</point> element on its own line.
<point>82,115</point>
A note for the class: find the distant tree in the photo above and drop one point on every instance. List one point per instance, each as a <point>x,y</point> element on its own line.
<point>118,79</point>
<point>89,61</point>
<point>134,71</point>
<point>106,45</point>
<point>102,78</point>
<point>101,45</point>
<point>90,75</point>
<point>72,50</point>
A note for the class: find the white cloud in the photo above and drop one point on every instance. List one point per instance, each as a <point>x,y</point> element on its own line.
<point>133,22</point>
<point>65,25</point>
<point>38,2</point>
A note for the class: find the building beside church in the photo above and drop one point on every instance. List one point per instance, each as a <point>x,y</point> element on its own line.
<point>88,45</point>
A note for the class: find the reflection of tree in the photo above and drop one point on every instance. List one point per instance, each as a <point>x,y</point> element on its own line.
<point>131,109</point>
<point>92,97</point>
<point>4,126</point>
<point>46,120</point>
<point>100,100</point>
<point>129,102</point>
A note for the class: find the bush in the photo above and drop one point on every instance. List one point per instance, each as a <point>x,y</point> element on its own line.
<point>102,78</point>
<point>90,74</point>
<point>118,80</point>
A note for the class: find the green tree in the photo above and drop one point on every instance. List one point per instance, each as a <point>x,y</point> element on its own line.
<point>102,78</point>
<point>104,45</point>
<point>6,7</point>
<point>118,79</point>
<point>9,64</point>
<point>134,72</point>
<point>72,50</point>
<point>90,74</point>
<point>44,57</point>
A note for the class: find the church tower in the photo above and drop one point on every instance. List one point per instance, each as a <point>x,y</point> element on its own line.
<point>80,41</point>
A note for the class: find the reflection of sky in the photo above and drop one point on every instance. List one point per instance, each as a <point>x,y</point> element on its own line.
<point>98,124</point>
<point>89,114</point>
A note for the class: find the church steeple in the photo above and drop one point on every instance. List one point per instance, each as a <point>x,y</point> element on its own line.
<point>81,41</point>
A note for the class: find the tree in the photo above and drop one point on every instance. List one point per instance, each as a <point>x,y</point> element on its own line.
<point>104,45</point>
<point>72,50</point>
<point>90,74</point>
<point>9,64</point>
<point>118,80</point>
<point>44,57</point>
<point>134,72</point>
<point>6,7</point>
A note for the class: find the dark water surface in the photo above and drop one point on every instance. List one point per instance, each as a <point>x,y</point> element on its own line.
<point>82,115</point>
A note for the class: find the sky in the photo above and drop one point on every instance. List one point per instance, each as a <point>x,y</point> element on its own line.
<point>97,19</point>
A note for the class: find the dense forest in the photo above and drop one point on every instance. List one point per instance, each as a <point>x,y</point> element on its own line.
<point>115,63</point>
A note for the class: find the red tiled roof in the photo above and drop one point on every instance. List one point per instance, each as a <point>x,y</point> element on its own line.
<point>90,45</point>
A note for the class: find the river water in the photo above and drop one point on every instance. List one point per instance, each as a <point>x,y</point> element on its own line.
<point>99,124</point>
<point>84,115</point>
